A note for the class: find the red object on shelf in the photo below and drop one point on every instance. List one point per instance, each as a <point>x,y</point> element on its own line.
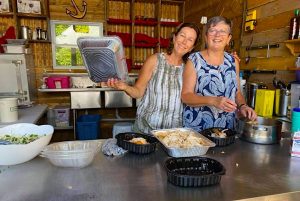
<point>145,45</point>
<point>118,21</point>
<point>170,23</point>
<point>129,64</point>
<point>143,38</point>
<point>9,34</point>
<point>164,43</point>
<point>137,66</point>
<point>125,37</point>
<point>145,22</point>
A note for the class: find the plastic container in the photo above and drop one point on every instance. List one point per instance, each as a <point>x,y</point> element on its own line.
<point>61,116</point>
<point>71,153</point>
<point>194,171</point>
<point>229,139</point>
<point>58,82</point>
<point>124,138</point>
<point>8,110</point>
<point>298,75</point>
<point>295,120</point>
<point>122,127</point>
<point>88,127</point>
<point>103,57</point>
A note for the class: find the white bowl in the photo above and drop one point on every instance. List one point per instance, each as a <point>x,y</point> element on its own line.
<point>72,153</point>
<point>19,153</point>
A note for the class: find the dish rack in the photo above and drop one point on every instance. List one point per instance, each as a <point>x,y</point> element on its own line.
<point>103,58</point>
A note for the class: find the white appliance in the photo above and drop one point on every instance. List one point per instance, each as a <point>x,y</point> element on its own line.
<point>17,77</point>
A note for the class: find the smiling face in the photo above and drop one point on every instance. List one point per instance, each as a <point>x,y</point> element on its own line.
<point>218,36</point>
<point>184,41</point>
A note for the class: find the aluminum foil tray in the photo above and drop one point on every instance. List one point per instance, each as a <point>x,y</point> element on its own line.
<point>185,152</point>
<point>103,57</point>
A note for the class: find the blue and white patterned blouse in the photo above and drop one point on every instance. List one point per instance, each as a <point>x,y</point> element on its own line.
<point>212,81</point>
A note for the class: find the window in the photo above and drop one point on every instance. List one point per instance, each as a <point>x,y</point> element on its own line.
<point>65,52</point>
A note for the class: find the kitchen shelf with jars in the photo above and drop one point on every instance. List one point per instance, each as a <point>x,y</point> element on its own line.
<point>143,26</point>
<point>30,18</point>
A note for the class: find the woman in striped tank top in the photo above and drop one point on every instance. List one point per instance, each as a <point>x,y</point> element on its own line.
<point>160,82</point>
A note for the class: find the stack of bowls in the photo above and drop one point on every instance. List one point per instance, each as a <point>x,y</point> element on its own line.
<point>72,153</point>
<point>296,120</point>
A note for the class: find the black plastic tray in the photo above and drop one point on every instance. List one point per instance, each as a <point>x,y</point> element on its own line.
<point>194,171</point>
<point>123,141</point>
<point>220,141</point>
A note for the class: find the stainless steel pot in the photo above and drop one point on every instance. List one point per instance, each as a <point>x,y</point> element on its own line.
<point>264,131</point>
<point>26,33</point>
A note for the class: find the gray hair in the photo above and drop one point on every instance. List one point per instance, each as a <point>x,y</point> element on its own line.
<point>217,19</point>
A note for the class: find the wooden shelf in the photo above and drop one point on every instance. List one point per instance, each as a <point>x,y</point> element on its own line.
<point>175,24</point>
<point>26,15</point>
<point>293,68</point>
<point>8,14</point>
<point>293,46</point>
<point>39,41</point>
<point>144,26</point>
<point>31,20</point>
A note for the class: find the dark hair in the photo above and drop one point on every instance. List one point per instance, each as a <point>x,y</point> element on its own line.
<point>217,19</point>
<point>178,29</point>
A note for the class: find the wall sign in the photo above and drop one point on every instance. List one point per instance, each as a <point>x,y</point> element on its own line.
<point>79,13</point>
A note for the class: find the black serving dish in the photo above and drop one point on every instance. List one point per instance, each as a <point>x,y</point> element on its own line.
<point>229,139</point>
<point>124,138</point>
<point>194,171</point>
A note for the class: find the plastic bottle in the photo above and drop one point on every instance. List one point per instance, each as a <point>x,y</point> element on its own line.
<point>242,84</point>
<point>294,26</point>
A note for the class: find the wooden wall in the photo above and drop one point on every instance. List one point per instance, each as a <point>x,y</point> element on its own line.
<point>273,18</point>
<point>43,52</point>
<point>232,9</point>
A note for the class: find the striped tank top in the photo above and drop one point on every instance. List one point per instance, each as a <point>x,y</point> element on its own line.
<point>161,106</point>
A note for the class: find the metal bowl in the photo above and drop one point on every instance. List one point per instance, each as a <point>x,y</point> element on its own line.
<point>262,131</point>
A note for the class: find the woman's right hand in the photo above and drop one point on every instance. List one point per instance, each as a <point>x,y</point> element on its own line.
<point>116,84</point>
<point>225,104</point>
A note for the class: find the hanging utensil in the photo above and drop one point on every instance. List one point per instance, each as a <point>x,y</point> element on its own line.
<point>247,60</point>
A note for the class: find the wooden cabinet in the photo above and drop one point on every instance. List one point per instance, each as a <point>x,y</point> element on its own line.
<point>143,26</point>
<point>33,14</point>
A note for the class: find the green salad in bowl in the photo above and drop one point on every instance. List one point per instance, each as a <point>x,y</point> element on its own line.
<point>23,142</point>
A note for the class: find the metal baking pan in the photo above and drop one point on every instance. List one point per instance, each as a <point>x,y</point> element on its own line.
<point>185,152</point>
<point>103,57</point>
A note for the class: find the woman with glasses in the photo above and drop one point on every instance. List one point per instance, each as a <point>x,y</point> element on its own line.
<point>211,89</point>
<point>160,83</point>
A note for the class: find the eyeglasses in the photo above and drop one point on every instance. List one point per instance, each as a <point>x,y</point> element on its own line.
<point>213,32</point>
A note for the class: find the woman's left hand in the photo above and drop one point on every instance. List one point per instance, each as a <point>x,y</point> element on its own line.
<point>236,56</point>
<point>248,112</point>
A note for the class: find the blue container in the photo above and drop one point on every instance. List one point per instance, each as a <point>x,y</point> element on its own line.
<point>88,127</point>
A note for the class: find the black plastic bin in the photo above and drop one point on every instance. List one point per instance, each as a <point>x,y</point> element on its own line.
<point>88,127</point>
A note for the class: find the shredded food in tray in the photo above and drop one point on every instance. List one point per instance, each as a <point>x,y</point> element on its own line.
<point>14,139</point>
<point>139,140</point>
<point>180,139</point>
<point>217,133</point>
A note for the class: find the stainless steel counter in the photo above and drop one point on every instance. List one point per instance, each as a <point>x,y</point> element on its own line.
<point>29,115</point>
<point>252,170</point>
